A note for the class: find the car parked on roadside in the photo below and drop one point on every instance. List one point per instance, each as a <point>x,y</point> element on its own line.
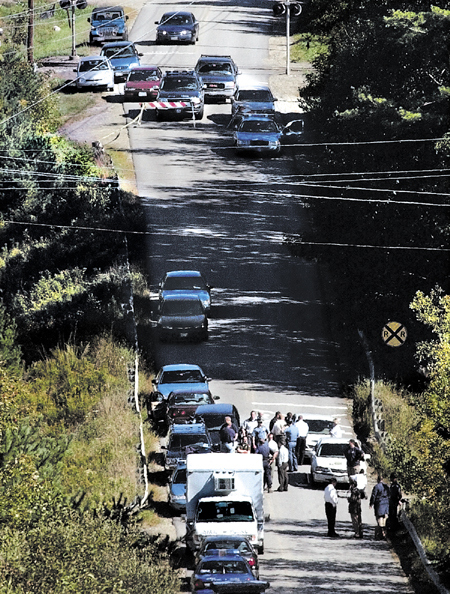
<point>182,317</point>
<point>227,544</point>
<point>143,83</point>
<point>94,72</point>
<point>319,426</point>
<point>177,488</point>
<point>178,376</point>
<point>218,75</point>
<point>184,88</point>
<point>256,99</point>
<point>123,56</point>
<point>328,460</point>
<point>182,404</point>
<point>108,23</point>
<point>213,415</point>
<point>258,134</point>
<point>186,281</point>
<point>178,26</point>
<point>229,568</point>
<point>185,439</point>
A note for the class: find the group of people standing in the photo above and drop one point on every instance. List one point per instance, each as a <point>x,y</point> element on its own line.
<point>282,442</point>
<point>385,500</point>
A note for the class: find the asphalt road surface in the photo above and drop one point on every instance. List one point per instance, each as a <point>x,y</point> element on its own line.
<point>269,344</point>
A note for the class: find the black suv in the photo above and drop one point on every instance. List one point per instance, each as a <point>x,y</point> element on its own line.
<point>108,23</point>
<point>187,439</point>
<point>218,76</point>
<point>183,87</point>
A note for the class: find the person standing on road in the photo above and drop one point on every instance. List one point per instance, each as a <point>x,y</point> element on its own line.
<point>291,433</point>
<point>259,432</point>
<point>361,482</point>
<point>228,436</point>
<point>336,430</point>
<point>250,423</point>
<point>278,427</point>
<point>303,430</point>
<point>283,463</point>
<point>264,450</point>
<point>331,500</point>
<point>354,456</point>
<point>354,508</point>
<point>395,497</point>
<point>379,500</point>
<point>274,419</point>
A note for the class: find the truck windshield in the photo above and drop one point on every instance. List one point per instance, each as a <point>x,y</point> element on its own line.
<point>225,511</point>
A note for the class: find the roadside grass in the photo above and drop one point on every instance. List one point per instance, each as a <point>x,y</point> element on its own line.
<point>73,105</point>
<point>123,164</point>
<point>306,47</point>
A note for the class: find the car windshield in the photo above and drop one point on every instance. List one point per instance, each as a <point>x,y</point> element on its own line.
<point>255,95</point>
<point>258,126</point>
<point>178,442</point>
<point>221,567</point>
<point>333,450</point>
<point>182,377</point>
<point>319,426</point>
<point>179,83</point>
<point>107,16</point>
<point>119,52</point>
<point>182,308</point>
<point>215,68</point>
<point>174,283</point>
<point>225,511</point>
<point>176,19</point>
<point>87,65</point>
<point>143,75</point>
<point>179,478</point>
<point>189,399</point>
<point>242,546</point>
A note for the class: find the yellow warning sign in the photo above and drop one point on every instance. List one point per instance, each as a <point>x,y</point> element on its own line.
<point>394,334</point>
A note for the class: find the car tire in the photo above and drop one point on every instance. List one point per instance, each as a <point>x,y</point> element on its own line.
<point>261,549</point>
<point>158,115</point>
<point>110,89</point>
<point>199,115</point>
<point>312,482</point>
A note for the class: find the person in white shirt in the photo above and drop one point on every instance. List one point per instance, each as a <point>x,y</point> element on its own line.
<point>336,430</point>
<point>278,428</point>
<point>282,464</point>
<point>250,423</point>
<point>303,429</point>
<point>361,482</point>
<point>331,501</point>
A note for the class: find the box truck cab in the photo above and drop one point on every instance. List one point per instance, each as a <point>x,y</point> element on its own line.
<point>224,497</point>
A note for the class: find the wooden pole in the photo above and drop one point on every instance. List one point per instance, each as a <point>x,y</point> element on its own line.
<point>30,35</point>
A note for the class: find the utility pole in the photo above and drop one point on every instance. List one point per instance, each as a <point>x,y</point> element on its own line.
<point>289,8</point>
<point>30,33</point>
<point>70,5</point>
<point>288,37</point>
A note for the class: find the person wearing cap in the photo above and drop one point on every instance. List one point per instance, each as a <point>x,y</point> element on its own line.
<point>282,464</point>
<point>354,508</point>
<point>395,498</point>
<point>259,432</point>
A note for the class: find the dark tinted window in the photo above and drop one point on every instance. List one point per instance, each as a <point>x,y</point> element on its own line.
<point>215,567</point>
<point>179,477</point>
<point>215,69</point>
<point>143,75</point>
<point>182,377</point>
<point>181,441</point>
<point>255,95</point>
<point>228,544</point>
<point>225,511</point>
<point>182,308</point>
<point>173,283</point>
<point>318,426</point>
<point>176,19</point>
<point>258,126</point>
<point>179,83</point>
<point>333,450</point>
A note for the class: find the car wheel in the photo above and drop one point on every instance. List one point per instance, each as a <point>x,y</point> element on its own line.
<point>110,89</point>
<point>312,481</point>
<point>125,36</point>
<point>261,549</point>
<point>199,115</point>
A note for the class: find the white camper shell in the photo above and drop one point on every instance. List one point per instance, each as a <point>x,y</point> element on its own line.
<point>224,496</point>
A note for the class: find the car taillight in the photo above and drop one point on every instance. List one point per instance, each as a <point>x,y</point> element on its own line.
<point>251,562</point>
<point>199,585</point>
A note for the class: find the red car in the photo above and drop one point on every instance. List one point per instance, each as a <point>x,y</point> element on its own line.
<point>143,82</point>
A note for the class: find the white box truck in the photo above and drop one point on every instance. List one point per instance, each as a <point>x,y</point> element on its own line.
<point>224,496</point>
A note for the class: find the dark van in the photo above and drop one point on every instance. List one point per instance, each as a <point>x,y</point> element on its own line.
<point>213,416</point>
<point>108,23</point>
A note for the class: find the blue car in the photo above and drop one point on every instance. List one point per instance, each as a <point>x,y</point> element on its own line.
<point>177,26</point>
<point>258,133</point>
<point>256,99</point>
<point>171,378</point>
<point>177,488</point>
<point>123,56</point>
<point>215,571</point>
<point>186,281</point>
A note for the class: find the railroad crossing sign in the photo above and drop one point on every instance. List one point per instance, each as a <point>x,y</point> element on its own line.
<point>394,334</point>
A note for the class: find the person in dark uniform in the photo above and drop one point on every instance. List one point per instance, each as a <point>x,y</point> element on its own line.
<point>379,500</point>
<point>264,450</point>
<point>354,456</point>
<point>395,497</point>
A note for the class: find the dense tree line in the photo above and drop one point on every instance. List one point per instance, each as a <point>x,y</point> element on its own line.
<point>63,279</point>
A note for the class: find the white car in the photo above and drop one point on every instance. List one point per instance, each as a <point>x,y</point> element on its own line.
<point>319,426</point>
<point>95,72</point>
<point>328,460</point>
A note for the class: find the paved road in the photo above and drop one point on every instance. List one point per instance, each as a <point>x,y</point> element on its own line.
<point>270,346</point>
